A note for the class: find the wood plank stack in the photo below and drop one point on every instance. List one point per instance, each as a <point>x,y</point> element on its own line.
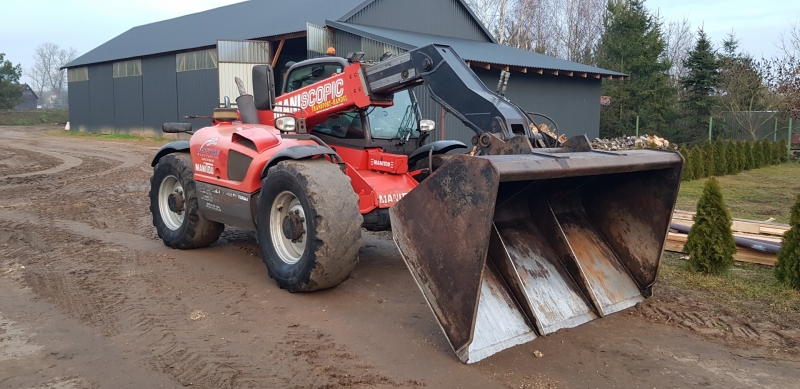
<point>761,230</point>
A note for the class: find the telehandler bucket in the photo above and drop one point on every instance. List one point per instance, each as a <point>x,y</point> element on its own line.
<point>506,248</point>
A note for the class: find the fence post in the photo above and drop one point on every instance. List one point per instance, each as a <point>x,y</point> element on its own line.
<point>710,125</point>
<point>789,136</point>
<point>775,134</point>
<point>637,125</point>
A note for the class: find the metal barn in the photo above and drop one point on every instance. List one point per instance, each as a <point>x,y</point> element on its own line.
<point>164,71</point>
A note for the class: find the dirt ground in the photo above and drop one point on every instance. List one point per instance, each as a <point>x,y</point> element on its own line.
<point>90,298</point>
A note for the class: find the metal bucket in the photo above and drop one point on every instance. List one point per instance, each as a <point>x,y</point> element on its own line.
<point>506,248</point>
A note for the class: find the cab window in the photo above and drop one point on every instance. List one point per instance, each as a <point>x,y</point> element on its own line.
<point>307,75</point>
<point>344,126</point>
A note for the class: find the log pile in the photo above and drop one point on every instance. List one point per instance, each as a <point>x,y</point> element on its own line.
<point>633,143</point>
<point>762,230</point>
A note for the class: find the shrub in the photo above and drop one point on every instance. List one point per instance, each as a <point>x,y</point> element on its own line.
<point>776,152</point>
<point>787,269</point>
<point>697,162</point>
<point>731,157</point>
<point>710,244</point>
<point>688,167</point>
<point>708,159</point>
<point>768,151</point>
<point>720,158</point>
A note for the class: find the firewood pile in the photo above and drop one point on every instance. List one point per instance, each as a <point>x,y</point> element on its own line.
<point>633,143</point>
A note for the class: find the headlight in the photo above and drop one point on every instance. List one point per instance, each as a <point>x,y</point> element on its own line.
<point>426,125</point>
<point>286,123</point>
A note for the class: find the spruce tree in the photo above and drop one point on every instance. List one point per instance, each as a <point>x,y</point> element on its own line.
<point>787,269</point>
<point>632,43</point>
<point>720,158</point>
<point>697,162</point>
<point>700,82</point>
<point>710,243</point>
<point>688,166</point>
<point>708,159</point>
<point>731,157</point>
<point>740,148</point>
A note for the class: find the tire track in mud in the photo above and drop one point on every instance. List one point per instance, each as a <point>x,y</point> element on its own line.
<point>127,295</point>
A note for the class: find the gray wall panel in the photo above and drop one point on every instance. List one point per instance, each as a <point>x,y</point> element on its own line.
<point>128,112</point>
<point>573,102</point>
<point>436,17</point>
<point>198,94</point>
<point>79,106</point>
<point>101,98</point>
<point>159,93</point>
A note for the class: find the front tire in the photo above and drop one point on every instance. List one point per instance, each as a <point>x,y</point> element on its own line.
<point>173,203</point>
<point>309,225</point>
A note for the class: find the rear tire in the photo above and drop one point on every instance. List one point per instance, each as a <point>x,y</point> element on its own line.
<point>187,229</point>
<point>309,225</point>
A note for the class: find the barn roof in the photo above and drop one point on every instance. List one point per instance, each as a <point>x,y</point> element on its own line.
<point>247,20</point>
<point>486,54</point>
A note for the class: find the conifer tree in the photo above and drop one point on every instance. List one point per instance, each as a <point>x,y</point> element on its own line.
<point>632,43</point>
<point>776,152</point>
<point>740,148</point>
<point>748,155</point>
<point>731,157</point>
<point>758,156</point>
<point>708,159</point>
<point>700,82</point>
<point>720,158</point>
<point>697,162</point>
<point>783,152</point>
<point>787,269</point>
<point>710,243</point>
<point>688,167</point>
<point>772,149</point>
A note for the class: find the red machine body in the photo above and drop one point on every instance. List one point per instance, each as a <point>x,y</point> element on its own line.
<point>379,178</point>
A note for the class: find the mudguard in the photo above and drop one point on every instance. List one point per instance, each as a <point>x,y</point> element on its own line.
<point>296,152</point>
<point>178,146</point>
<point>439,147</point>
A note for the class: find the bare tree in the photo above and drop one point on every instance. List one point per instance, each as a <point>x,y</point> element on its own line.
<point>49,79</point>
<point>752,91</point>
<point>789,42</point>
<point>680,40</point>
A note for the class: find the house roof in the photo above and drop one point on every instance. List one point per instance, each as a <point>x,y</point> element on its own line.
<point>32,91</point>
<point>481,54</point>
<point>247,20</point>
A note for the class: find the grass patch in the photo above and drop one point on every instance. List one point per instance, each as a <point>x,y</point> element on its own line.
<point>106,136</point>
<point>756,194</point>
<point>744,287</point>
<point>33,117</point>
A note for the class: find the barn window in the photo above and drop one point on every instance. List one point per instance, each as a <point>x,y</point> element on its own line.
<point>78,74</point>
<point>130,68</point>
<point>196,60</point>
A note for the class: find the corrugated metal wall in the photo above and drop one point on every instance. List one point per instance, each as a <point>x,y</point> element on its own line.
<point>198,94</point>
<point>101,99</point>
<point>159,93</point>
<point>128,112</point>
<point>79,106</point>
<point>436,17</point>
<point>573,102</point>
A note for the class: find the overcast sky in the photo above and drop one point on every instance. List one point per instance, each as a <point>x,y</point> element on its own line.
<point>85,24</point>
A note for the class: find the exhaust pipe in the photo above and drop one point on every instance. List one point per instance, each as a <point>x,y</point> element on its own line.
<point>536,242</point>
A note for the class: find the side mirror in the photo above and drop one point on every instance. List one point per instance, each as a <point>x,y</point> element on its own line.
<point>176,128</point>
<point>427,125</point>
<point>263,87</point>
<point>286,124</point>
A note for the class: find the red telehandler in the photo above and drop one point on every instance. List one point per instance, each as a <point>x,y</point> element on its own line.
<point>522,236</point>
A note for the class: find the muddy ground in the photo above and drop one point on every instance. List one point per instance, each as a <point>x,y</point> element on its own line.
<point>90,298</point>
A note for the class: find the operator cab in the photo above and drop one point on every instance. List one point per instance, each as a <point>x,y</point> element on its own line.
<point>394,129</point>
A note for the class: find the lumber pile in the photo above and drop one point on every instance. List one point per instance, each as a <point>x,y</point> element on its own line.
<point>762,230</point>
<point>632,143</point>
